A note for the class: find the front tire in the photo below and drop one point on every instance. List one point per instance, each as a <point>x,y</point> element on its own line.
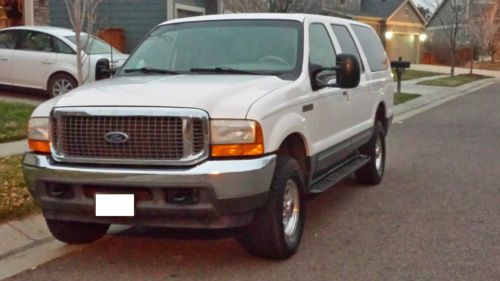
<point>61,83</point>
<point>276,229</point>
<point>76,232</point>
<point>373,171</point>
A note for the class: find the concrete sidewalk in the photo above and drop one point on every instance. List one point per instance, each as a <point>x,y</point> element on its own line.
<point>27,243</point>
<point>458,70</point>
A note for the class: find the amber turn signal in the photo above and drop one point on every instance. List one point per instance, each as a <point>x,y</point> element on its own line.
<point>241,149</point>
<point>39,146</point>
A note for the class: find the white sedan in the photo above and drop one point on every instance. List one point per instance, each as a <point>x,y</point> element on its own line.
<point>44,57</point>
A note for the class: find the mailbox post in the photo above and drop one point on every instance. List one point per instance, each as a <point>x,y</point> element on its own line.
<point>400,65</point>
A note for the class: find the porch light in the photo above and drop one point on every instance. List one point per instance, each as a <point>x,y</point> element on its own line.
<point>422,37</point>
<point>388,35</point>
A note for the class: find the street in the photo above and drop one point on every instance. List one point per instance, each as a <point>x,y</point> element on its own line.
<point>436,216</point>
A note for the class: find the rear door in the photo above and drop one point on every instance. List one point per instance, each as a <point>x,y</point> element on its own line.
<point>32,61</point>
<point>378,66</point>
<point>8,40</point>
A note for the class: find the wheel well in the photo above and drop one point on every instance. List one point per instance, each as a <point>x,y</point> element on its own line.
<point>295,147</point>
<point>60,72</point>
<point>380,116</point>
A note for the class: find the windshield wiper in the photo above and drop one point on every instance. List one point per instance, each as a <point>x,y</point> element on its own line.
<point>224,70</point>
<point>151,70</point>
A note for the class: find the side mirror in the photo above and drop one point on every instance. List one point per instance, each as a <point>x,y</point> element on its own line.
<point>347,73</point>
<point>103,70</point>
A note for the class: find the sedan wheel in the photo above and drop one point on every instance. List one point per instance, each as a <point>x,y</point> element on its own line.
<point>61,84</point>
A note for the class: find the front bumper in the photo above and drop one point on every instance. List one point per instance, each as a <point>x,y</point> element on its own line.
<point>228,191</point>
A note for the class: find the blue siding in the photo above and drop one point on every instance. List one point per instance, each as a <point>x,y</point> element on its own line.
<point>136,17</point>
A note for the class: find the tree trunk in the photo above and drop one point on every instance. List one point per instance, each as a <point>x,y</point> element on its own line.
<point>452,62</point>
<point>471,62</point>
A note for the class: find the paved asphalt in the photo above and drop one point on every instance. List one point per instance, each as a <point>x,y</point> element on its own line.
<point>436,216</point>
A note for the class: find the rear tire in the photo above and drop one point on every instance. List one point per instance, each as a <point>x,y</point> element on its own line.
<point>373,171</point>
<point>276,229</point>
<point>61,83</point>
<point>76,232</point>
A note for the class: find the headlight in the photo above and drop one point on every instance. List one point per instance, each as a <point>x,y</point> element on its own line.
<point>236,138</point>
<point>38,135</point>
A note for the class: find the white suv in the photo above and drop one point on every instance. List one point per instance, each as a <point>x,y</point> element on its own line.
<point>44,58</point>
<point>216,122</point>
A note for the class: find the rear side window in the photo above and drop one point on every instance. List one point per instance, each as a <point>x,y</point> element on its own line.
<point>347,42</point>
<point>370,42</point>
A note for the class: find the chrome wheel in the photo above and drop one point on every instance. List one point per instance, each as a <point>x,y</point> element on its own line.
<point>291,211</point>
<point>379,155</point>
<point>61,86</point>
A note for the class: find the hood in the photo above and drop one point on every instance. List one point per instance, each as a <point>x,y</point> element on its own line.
<point>222,96</point>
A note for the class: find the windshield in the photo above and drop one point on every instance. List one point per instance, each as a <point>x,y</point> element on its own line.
<point>95,45</point>
<point>267,47</point>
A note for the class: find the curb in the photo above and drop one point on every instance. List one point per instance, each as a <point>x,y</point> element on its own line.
<point>439,96</point>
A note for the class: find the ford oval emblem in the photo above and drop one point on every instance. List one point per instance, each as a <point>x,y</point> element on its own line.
<point>116,137</point>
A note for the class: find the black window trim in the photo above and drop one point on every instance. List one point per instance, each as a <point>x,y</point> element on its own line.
<point>363,68</point>
<point>24,32</point>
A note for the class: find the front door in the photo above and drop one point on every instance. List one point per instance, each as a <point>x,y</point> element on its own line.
<point>8,41</point>
<point>32,61</point>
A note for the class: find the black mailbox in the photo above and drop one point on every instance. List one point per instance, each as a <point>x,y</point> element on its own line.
<point>400,65</point>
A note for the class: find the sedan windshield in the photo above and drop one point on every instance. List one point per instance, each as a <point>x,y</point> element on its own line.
<point>247,47</point>
<point>95,46</point>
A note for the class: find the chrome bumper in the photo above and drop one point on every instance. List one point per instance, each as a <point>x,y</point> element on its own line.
<point>231,190</point>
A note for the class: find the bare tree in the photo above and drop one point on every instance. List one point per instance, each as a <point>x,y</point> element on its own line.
<point>82,15</point>
<point>453,22</point>
<point>483,30</point>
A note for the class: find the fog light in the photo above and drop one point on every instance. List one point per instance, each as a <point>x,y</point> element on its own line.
<point>60,190</point>
<point>182,196</point>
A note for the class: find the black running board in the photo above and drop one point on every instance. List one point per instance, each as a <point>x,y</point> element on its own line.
<point>339,173</point>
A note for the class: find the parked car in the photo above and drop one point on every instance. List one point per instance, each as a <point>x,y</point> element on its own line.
<point>44,57</point>
<point>220,121</point>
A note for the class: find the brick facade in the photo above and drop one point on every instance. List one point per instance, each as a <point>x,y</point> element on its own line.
<point>41,12</point>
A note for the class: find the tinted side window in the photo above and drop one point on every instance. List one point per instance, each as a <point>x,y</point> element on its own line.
<point>370,42</point>
<point>61,47</point>
<point>347,42</point>
<point>8,39</point>
<point>36,41</point>
<point>320,45</point>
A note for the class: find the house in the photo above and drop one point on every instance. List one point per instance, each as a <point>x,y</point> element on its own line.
<point>398,22</point>
<point>123,23</point>
<point>437,47</point>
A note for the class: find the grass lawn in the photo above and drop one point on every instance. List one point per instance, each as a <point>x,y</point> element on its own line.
<point>404,97</point>
<point>415,74</point>
<point>457,80</point>
<point>14,120</point>
<point>15,200</point>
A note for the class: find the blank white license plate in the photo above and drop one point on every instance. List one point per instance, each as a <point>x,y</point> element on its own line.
<point>114,205</point>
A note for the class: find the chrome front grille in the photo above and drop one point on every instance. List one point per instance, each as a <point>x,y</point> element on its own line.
<point>150,135</point>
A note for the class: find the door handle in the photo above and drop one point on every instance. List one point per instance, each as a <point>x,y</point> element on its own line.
<point>4,58</point>
<point>346,95</point>
<point>46,62</point>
